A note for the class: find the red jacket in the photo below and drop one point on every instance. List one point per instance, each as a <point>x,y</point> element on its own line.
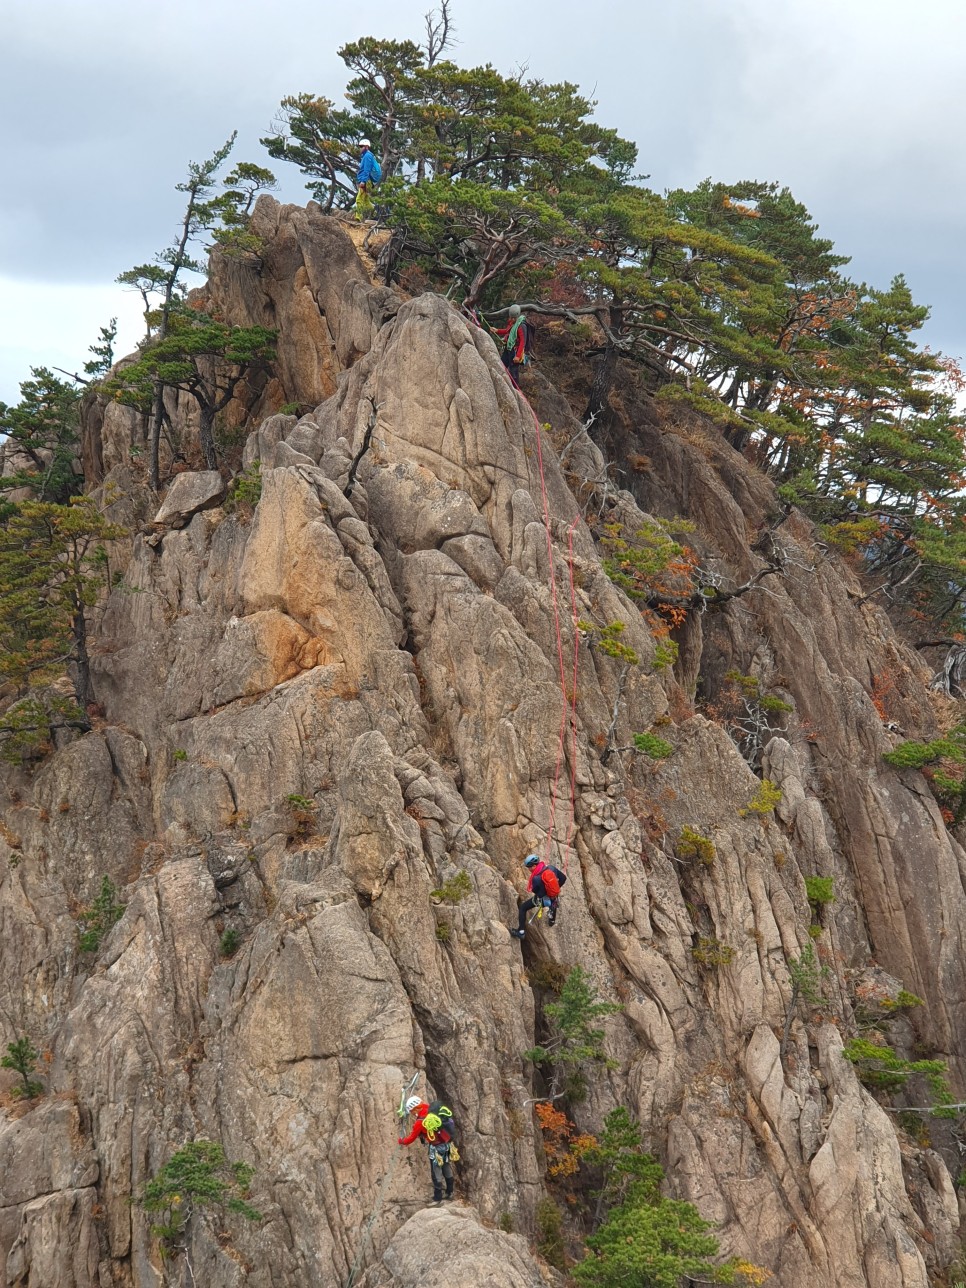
<point>520,348</point>
<point>419,1129</point>
<point>535,872</point>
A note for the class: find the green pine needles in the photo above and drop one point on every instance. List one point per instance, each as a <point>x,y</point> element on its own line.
<point>576,1040</point>
<point>764,800</point>
<point>99,916</point>
<point>651,745</point>
<point>820,890</point>
<point>943,761</point>
<point>197,1177</point>
<point>881,1069</point>
<point>693,846</point>
<point>22,1059</point>
<point>454,889</point>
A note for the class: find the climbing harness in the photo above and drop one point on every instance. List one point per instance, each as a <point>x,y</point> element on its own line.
<point>537,913</point>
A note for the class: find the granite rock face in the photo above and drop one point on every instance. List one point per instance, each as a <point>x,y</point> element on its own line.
<point>316,716</point>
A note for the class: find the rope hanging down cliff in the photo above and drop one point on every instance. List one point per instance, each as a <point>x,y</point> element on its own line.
<point>569,700</point>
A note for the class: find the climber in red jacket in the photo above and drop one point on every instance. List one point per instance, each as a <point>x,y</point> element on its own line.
<point>515,336</point>
<point>438,1129</point>
<point>544,889</point>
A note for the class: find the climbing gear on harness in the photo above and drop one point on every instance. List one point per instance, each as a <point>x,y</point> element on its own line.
<point>454,1154</point>
<point>445,1116</point>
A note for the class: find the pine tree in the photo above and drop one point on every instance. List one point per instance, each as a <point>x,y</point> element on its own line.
<point>43,431</point>
<point>201,357</point>
<point>575,1039</point>
<point>53,567</point>
<point>22,1059</point>
<point>165,277</point>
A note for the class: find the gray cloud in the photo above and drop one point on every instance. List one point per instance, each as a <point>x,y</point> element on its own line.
<point>854,105</point>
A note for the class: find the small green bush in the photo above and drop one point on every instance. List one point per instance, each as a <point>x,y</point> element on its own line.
<point>574,1040</point>
<point>300,802</point>
<point>506,1223</point>
<point>915,755</point>
<point>611,644</point>
<point>712,953</point>
<point>455,889</point>
<point>764,800</point>
<point>815,932</point>
<point>179,754</point>
<point>652,745</point>
<point>245,491</point>
<point>692,845</point>
<point>550,1239</point>
<point>665,654</point>
<point>906,1000</point>
<point>820,890</point>
<point>549,976</point>
<point>775,706</point>
<point>444,932</point>
<point>228,943</point>
<point>99,916</point>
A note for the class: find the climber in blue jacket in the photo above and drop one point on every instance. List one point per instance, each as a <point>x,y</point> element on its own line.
<point>370,171</point>
<point>369,174</point>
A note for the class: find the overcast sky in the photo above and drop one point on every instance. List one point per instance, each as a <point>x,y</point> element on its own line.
<point>859,106</point>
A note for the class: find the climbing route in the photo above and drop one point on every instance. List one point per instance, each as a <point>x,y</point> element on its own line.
<point>568,715</point>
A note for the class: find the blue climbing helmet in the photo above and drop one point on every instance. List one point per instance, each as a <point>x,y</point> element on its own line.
<point>531,861</point>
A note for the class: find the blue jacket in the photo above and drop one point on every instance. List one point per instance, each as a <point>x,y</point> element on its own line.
<point>366,166</point>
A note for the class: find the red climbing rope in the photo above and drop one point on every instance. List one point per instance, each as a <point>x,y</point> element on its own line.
<point>573,690</point>
<point>569,701</point>
<point>561,742</point>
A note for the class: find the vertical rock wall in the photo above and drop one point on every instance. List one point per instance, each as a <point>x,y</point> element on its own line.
<point>390,656</point>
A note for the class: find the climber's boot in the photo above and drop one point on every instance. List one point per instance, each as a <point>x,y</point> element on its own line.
<point>518,934</point>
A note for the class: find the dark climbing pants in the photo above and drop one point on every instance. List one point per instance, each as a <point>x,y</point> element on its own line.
<point>513,368</point>
<point>440,1169</point>
<point>534,902</point>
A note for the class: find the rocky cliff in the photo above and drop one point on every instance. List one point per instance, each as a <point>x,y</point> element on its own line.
<point>315,710</point>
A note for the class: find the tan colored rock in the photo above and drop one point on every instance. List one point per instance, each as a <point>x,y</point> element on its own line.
<point>474,1257</point>
<point>317,716</point>
<point>190,492</point>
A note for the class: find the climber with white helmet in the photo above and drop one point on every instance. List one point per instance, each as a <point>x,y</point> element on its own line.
<point>369,173</point>
<point>435,1122</point>
<point>544,890</point>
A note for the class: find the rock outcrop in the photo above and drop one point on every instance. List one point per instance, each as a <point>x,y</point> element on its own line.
<point>315,716</point>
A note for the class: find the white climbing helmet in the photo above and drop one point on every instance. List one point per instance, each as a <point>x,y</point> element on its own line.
<point>365,143</point>
<point>412,1103</point>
